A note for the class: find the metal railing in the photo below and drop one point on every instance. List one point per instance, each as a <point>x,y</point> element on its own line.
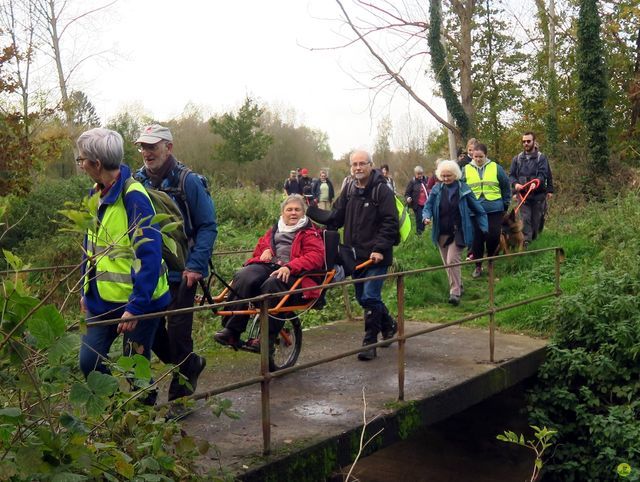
<point>266,376</point>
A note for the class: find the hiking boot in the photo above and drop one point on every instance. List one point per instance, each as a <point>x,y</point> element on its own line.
<point>367,355</point>
<point>389,332</point>
<point>177,412</point>
<point>477,272</point>
<point>454,300</point>
<point>228,337</point>
<point>199,365</point>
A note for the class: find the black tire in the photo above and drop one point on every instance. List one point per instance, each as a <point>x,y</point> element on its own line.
<point>287,346</point>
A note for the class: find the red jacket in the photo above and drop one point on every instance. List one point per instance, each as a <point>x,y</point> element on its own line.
<point>307,254</point>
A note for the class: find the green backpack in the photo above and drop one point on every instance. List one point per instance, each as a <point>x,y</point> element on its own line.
<point>404,219</point>
<point>175,245</point>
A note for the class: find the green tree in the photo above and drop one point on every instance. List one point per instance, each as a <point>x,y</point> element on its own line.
<point>593,85</point>
<point>83,112</point>
<point>129,128</point>
<point>243,139</point>
<point>382,151</point>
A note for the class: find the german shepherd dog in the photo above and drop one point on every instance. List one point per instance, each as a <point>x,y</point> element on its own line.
<point>511,237</point>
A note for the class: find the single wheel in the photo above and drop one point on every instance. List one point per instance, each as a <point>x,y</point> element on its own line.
<point>287,345</point>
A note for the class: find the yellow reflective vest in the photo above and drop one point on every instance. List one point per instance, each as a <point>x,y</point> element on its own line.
<point>488,186</point>
<point>113,264</point>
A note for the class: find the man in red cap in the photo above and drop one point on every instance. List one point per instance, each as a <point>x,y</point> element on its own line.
<point>305,185</point>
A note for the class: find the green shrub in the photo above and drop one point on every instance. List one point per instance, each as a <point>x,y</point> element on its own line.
<point>588,387</point>
<point>33,216</point>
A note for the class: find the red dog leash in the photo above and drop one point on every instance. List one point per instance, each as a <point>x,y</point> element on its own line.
<point>533,184</point>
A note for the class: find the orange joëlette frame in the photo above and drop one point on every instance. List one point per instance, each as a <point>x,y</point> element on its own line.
<point>280,308</point>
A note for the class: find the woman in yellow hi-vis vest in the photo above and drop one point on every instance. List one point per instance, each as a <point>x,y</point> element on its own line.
<point>116,286</point>
<point>490,183</point>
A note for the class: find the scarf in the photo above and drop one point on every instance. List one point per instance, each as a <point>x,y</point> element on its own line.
<point>283,228</point>
<point>157,177</point>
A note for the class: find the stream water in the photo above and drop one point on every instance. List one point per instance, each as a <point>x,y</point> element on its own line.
<point>462,448</point>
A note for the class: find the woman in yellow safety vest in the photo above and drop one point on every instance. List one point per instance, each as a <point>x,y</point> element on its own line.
<point>490,183</point>
<point>122,276</point>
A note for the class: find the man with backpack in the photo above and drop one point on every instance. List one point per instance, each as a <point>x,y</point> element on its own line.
<point>530,170</point>
<point>371,229</point>
<point>173,343</point>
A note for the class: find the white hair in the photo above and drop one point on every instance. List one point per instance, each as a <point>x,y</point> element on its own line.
<point>447,165</point>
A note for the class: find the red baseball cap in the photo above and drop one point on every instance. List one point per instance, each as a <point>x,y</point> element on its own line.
<point>304,171</point>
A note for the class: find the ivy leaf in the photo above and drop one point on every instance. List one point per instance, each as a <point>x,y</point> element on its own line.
<point>136,264</point>
<point>79,394</point>
<point>102,384</point>
<point>63,346</point>
<point>95,406</point>
<point>73,424</point>
<point>185,445</point>
<point>46,325</point>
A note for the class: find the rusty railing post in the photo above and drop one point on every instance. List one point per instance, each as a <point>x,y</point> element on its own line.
<point>264,371</point>
<point>492,314</point>
<point>347,303</point>
<point>557,280</point>
<point>401,341</point>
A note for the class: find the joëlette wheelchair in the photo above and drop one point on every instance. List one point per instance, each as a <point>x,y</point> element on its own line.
<point>286,347</point>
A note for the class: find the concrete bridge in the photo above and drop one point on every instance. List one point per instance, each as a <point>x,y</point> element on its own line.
<point>317,414</point>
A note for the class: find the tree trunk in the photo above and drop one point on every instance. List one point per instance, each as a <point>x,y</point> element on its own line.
<point>634,91</point>
<point>55,45</point>
<point>464,12</point>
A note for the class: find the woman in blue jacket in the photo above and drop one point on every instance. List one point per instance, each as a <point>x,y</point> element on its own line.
<point>453,209</point>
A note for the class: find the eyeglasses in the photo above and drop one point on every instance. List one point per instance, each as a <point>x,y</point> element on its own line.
<point>148,147</point>
<point>526,141</point>
<point>80,160</point>
<point>360,164</point>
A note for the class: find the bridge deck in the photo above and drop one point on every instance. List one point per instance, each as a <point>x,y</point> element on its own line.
<point>319,410</point>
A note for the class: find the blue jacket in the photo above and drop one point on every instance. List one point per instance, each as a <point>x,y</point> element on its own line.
<point>471,211</point>
<point>149,253</point>
<point>505,188</point>
<point>203,229</point>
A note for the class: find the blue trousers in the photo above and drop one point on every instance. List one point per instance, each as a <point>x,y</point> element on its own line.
<point>98,340</point>
<point>369,293</point>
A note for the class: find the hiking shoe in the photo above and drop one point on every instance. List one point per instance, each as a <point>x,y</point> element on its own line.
<point>367,355</point>
<point>389,332</point>
<point>227,337</point>
<point>177,412</point>
<point>454,300</point>
<point>477,272</point>
<point>193,378</point>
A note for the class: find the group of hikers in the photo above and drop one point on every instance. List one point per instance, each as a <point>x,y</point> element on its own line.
<point>464,203</point>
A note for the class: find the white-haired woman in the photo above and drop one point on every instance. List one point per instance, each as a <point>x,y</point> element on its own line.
<point>293,245</point>
<point>453,209</point>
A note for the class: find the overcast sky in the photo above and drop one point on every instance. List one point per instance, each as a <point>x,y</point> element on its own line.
<point>213,53</point>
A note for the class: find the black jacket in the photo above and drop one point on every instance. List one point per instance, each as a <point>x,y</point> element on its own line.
<point>369,225</point>
<point>525,167</point>
<point>413,190</point>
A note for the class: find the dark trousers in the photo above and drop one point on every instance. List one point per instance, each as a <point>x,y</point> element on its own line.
<point>173,342</point>
<point>531,212</point>
<point>490,240</point>
<point>97,341</point>
<point>369,296</point>
<point>254,280</point>
<point>417,210</point>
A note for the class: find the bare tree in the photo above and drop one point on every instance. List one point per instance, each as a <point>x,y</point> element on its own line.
<point>17,23</point>
<point>56,19</point>
<point>411,36</point>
